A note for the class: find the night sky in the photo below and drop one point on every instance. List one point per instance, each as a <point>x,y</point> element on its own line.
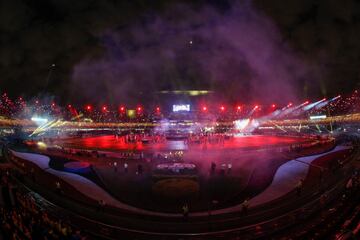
<point>126,51</point>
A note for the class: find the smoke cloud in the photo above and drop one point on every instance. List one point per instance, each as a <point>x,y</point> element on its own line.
<point>309,46</point>
<point>239,53</point>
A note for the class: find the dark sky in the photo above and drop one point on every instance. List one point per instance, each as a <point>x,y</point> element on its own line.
<point>115,51</point>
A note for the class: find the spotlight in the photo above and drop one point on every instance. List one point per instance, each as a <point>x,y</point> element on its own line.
<point>39,119</point>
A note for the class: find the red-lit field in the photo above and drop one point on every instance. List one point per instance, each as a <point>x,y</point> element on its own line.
<point>254,161</point>
<point>252,170</point>
<point>109,142</point>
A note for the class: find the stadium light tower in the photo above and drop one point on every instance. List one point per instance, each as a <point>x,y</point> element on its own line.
<point>51,69</point>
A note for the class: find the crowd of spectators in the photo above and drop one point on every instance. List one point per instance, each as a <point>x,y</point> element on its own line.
<point>21,218</point>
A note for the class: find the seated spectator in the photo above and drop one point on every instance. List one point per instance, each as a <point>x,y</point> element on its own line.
<point>27,221</point>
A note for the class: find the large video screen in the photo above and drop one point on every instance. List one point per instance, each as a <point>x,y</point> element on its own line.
<point>181,107</point>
